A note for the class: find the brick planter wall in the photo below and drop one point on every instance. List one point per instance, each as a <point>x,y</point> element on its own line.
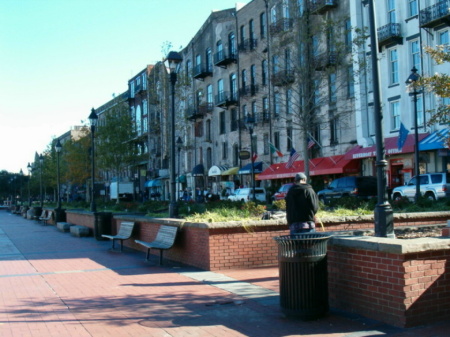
<point>401,282</point>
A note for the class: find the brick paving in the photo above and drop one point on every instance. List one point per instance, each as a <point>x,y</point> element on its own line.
<point>56,284</point>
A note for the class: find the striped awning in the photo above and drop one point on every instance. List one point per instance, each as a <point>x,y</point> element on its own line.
<point>217,170</point>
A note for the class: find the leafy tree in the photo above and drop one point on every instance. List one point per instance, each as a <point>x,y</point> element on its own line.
<point>439,83</point>
<point>313,59</point>
<point>76,159</point>
<point>115,148</point>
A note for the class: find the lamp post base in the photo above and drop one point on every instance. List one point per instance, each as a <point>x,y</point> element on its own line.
<point>173,210</point>
<point>384,220</point>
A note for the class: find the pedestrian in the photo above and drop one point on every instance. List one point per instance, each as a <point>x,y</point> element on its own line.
<point>302,205</point>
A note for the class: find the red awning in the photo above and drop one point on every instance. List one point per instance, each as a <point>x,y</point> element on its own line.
<point>317,166</point>
<point>390,145</point>
<point>335,165</point>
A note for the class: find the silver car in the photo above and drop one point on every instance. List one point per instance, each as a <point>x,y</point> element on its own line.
<point>246,194</point>
<point>432,185</point>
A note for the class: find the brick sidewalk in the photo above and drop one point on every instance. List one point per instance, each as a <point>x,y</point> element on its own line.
<point>55,284</point>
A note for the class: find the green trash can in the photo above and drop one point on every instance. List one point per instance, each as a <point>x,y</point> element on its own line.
<point>302,261</point>
<point>102,225</point>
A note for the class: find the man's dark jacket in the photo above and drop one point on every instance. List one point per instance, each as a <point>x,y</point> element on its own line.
<point>301,203</point>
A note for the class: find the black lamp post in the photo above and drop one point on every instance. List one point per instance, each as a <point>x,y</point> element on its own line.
<point>41,200</point>
<point>179,144</point>
<point>411,81</point>
<point>383,214</point>
<point>172,61</point>
<point>29,168</point>
<point>20,185</point>
<point>58,148</point>
<point>250,124</point>
<point>93,118</point>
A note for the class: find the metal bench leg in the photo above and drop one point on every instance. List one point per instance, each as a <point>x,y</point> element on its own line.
<point>121,245</point>
<point>113,244</point>
<point>148,254</point>
<point>160,257</point>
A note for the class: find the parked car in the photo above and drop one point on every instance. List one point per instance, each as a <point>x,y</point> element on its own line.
<point>246,194</point>
<point>282,191</point>
<point>362,187</point>
<point>432,185</point>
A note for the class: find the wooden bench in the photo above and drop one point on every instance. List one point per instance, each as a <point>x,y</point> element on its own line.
<point>165,239</point>
<point>46,217</point>
<point>37,217</point>
<point>125,232</point>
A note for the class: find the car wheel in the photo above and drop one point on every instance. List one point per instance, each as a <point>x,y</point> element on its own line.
<point>322,200</point>
<point>397,197</point>
<point>430,196</point>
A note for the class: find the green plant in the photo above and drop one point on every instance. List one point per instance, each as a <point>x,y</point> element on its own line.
<point>279,205</point>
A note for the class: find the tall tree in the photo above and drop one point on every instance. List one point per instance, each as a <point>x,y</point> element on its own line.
<point>115,148</point>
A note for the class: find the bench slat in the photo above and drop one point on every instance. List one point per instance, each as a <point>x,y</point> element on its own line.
<point>165,238</point>
<point>125,232</point>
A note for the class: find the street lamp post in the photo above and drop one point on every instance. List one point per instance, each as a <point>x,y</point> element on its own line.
<point>93,118</point>
<point>172,61</point>
<point>58,149</point>
<point>383,214</point>
<point>29,168</point>
<point>250,124</point>
<point>20,185</point>
<point>41,200</point>
<point>179,144</point>
<point>411,81</point>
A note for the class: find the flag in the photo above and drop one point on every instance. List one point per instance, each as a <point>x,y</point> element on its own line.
<point>311,143</point>
<point>292,157</point>
<point>273,150</point>
<point>402,135</point>
<point>255,155</point>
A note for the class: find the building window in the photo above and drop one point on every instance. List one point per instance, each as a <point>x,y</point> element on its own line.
<point>275,65</point>
<point>273,15</point>
<point>233,87</point>
<point>262,25</point>
<point>251,29</point>
<point>266,143</point>
<point>208,59</point>
<point>332,88</point>
<point>232,44</point>
<point>276,139</point>
<point>253,74</point>
<point>189,68</point>
<point>234,120</point>
<point>222,123</point>
<point>348,34</point>
<point>350,82</point>
<point>244,79</point>
<point>224,150</point>
<point>301,7</point>
<point>235,155</point>
<point>413,9</point>
<point>208,131</point>
<point>276,103</point>
<point>289,138</point>
<point>333,128</point>
<point>209,94</point>
<point>288,101</point>
<point>242,33</point>
<point>220,89</point>
<point>415,54</point>
<point>198,60</point>
<point>420,112</point>
<point>392,16</point>
<point>395,115</point>
<point>393,66</point>
<point>443,38</point>
<point>265,109</point>
<point>264,72</point>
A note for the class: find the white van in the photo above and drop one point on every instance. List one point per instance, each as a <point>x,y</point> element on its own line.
<point>246,194</point>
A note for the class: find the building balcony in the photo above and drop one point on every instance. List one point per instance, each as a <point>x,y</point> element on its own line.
<point>225,99</point>
<point>140,89</point>
<point>325,60</point>
<point>283,77</point>
<point>389,34</point>
<point>322,6</point>
<point>435,15</point>
<point>202,71</point>
<point>248,45</point>
<point>206,108</point>
<point>248,90</point>
<point>193,113</point>
<point>282,25</point>
<point>223,59</point>
<point>264,116</point>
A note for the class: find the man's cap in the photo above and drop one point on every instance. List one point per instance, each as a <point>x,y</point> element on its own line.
<point>300,176</point>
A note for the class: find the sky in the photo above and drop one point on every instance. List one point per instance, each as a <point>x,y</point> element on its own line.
<point>61,58</point>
